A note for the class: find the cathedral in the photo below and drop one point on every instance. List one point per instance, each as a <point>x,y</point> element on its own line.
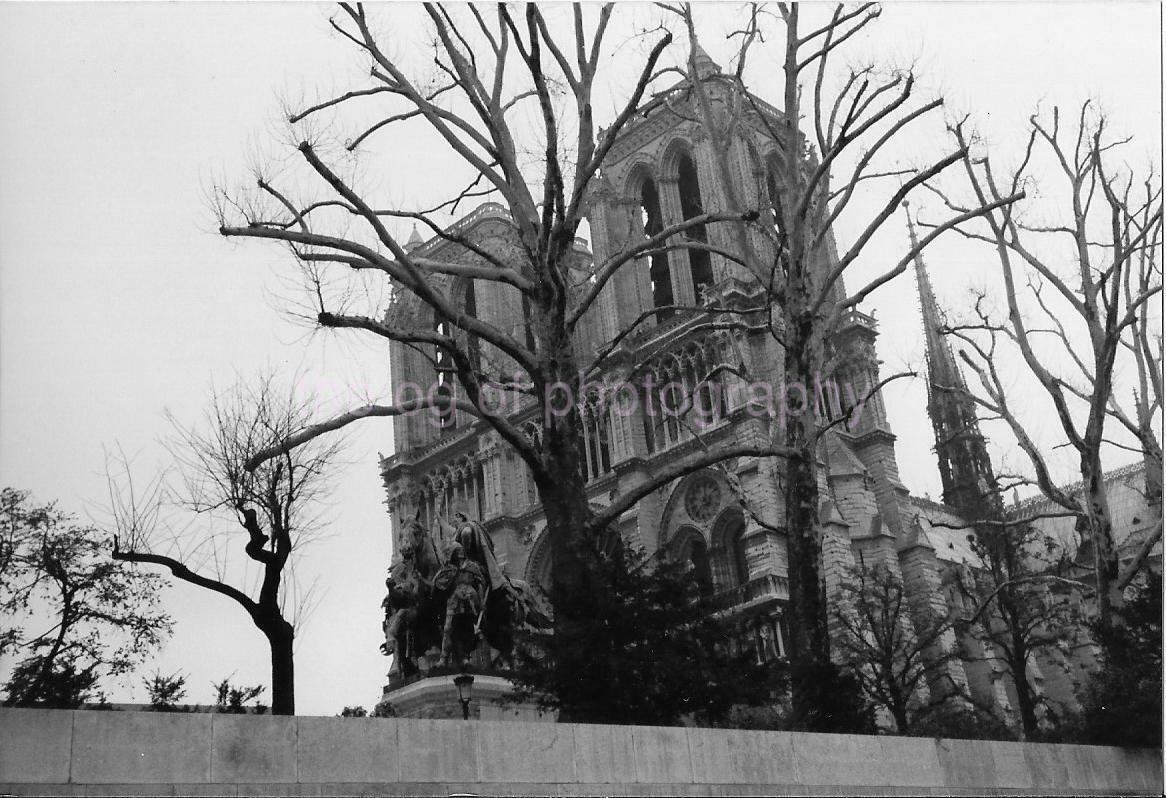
<point>661,170</point>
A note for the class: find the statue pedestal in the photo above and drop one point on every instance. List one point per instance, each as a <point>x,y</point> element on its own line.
<point>437,697</point>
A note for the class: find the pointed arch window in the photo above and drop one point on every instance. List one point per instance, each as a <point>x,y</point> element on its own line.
<point>773,193</point>
<point>691,206</point>
<point>698,558</point>
<point>444,389</point>
<point>594,439</point>
<point>652,222</point>
<point>737,548</point>
<point>470,308</point>
<point>689,550</point>
<point>730,558</point>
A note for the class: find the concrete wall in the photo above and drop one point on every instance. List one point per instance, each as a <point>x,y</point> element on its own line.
<point>103,753</point>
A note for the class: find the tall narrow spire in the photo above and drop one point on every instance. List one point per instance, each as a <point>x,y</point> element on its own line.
<point>964,466</point>
<point>942,369</point>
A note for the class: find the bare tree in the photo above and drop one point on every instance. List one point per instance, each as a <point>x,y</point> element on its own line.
<point>1022,605</point>
<point>275,504</point>
<point>893,657</point>
<point>1143,341</point>
<point>491,67</point>
<point>839,170</point>
<point>1075,315</point>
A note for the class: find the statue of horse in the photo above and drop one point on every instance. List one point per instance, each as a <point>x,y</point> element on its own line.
<point>416,606</point>
<point>412,608</point>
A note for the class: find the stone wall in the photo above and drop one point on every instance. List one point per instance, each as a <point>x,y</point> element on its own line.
<point>119,753</point>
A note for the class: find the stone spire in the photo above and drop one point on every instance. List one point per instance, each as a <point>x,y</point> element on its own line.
<point>414,241</point>
<point>703,62</point>
<point>964,465</point>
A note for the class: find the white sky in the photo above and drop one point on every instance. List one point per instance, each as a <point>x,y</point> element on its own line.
<point>118,299</point>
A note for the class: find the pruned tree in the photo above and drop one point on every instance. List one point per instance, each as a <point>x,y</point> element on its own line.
<point>176,525</point>
<point>73,616</point>
<point>1081,291</point>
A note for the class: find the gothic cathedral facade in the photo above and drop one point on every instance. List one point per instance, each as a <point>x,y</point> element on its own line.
<point>661,170</point>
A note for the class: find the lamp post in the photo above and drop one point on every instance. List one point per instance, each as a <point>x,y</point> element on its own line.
<point>465,686</point>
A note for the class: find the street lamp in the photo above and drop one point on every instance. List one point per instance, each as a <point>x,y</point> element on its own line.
<point>465,686</point>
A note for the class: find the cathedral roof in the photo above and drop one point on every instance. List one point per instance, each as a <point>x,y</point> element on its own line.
<point>1023,507</point>
<point>916,536</point>
<point>840,458</point>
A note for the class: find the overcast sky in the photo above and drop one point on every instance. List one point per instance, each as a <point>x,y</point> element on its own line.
<point>118,300</point>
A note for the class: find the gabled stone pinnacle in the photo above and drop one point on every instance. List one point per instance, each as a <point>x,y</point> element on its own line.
<point>703,62</point>
<point>414,241</point>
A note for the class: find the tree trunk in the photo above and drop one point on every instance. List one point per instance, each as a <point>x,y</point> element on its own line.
<point>1026,702</point>
<point>1152,462</point>
<point>808,635</point>
<point>280,637</point>
<point>809,639</point>
<point>897,699</point>
<point>899,713</point>
<point>573,552</point>
<point>1025,695</point>
<point>1110,601</point>
<point>33,695</point>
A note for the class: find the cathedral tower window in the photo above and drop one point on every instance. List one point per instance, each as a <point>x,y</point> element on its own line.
<point>773,193</point>
<point>686,395</point>
<point>698,556</point>
<point>470,308</point>
<point>666,400</point>
<point>445,419</point>
<point>691,206</point>
<point>652,223</point>
<point>596,439</point>
<point>690,550</point>
<point>740,561</point>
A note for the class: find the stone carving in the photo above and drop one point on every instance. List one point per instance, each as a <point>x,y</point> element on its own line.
<point>410,614</point>
<point>703,499</point>
<point>465,580</point>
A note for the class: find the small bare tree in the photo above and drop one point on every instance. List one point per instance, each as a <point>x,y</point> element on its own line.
<point>275,504</point>
<point>893,657</point>
<point>1020,602</point>
<point>1075,316</point>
